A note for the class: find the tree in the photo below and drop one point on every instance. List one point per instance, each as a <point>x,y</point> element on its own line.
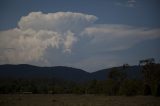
<point>116,77</point>
<point>151,73</point>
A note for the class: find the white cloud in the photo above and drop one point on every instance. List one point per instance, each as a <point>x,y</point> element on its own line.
<point>59,21</point>
<point>28,45</point>
<point>69,39</point>
<point>38,31</point>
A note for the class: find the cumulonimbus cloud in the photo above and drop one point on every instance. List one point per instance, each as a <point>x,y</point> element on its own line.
<point>38,31</point>
<point>68,31</point>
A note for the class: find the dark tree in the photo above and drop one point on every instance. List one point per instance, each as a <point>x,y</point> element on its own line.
<point>151,74</point>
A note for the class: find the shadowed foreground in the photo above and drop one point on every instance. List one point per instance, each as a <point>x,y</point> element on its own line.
<point>75,100</point>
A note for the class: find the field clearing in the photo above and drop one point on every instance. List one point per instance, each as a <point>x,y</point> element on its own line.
<point>75,100</point>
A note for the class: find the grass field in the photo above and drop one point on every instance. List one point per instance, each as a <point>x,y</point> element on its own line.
<point>75,100</point>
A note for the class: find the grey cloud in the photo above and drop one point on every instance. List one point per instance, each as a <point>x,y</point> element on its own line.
<point>118,37</point>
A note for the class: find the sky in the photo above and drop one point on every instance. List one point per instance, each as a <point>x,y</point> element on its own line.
<point>86,34</point>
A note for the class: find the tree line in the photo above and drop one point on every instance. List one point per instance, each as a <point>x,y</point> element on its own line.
<point>116,83</point>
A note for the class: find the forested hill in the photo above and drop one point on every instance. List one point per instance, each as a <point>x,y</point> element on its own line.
<point>61,72</point>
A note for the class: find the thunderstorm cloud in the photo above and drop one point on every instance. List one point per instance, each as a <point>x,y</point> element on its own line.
<point>68,38</point>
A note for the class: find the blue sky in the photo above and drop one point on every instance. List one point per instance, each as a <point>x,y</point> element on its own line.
<point>88,34</point>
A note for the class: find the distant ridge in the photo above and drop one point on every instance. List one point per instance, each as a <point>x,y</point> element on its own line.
<point>61,72</point>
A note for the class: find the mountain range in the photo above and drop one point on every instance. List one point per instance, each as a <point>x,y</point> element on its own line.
<point>61,72</point>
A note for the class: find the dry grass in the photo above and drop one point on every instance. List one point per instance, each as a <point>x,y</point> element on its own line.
<point>76,100</point>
